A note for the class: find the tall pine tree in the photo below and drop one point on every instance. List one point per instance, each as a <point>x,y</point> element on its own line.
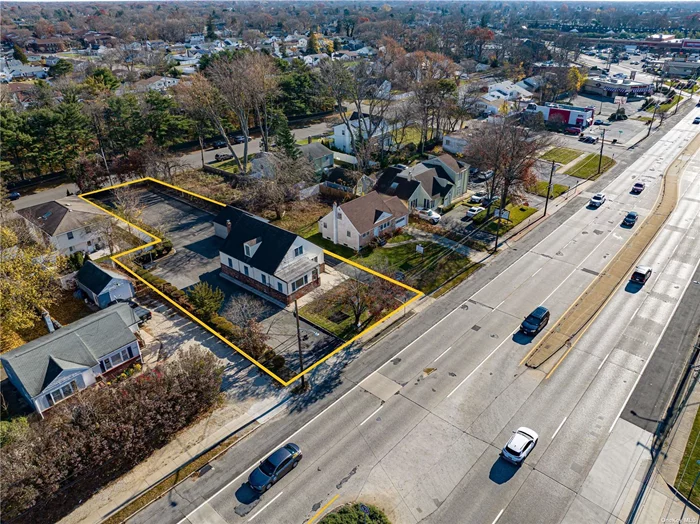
<point>285,139</point>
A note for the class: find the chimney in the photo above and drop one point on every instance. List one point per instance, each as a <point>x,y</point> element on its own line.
<point>335,222</point>
<point>47,319</point>
<point>228,227</point>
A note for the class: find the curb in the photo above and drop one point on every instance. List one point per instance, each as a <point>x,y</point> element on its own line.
<point>683,498</point>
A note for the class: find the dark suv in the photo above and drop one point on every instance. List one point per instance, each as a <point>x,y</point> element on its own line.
<point>535,321</point>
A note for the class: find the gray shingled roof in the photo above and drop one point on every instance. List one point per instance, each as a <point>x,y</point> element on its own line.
<point>96,278</point>
<point>80,344</point>
<point>62,215</point>
<point>315,150</point>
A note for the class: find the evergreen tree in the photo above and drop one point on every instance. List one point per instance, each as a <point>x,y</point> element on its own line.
<point>211,35</point>
<point>62,67</point>
<point>19,54</point>
<point>285,139</point>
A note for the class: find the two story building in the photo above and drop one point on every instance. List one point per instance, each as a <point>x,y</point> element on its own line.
<point>56,366</point>
<point>269,259</point>
<point>373,128</point>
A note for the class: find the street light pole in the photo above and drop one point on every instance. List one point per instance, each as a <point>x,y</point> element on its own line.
<point>301,355</point>
<point>651,124</point>
<point>600,159</point>
<point>549,187</point>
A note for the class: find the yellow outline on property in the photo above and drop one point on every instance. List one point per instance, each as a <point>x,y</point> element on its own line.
<point>156,240</point>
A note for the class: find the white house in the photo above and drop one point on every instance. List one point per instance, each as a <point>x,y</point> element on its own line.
<point>154,83</point>
<point>56,366</point>
<point>355,223</point>
<point>315,59</point>
<point>378,128</point>
<point>279,264</point>
<point>510,91</point>
<point>70,224</point>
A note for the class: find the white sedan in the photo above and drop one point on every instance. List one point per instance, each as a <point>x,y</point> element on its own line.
<point>475,210</point>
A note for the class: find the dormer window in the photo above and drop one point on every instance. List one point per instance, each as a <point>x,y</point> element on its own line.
<point>246,250</point>
<point>298,251</point>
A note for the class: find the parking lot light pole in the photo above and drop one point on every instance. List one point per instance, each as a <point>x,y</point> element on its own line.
<point>549,187</point>
<point>301,355</point>
<point>600,159</point>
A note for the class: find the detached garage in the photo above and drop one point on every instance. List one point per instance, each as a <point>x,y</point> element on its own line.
<point>103,286</point>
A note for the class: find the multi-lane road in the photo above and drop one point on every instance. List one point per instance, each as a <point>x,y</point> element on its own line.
<point>416,424</point>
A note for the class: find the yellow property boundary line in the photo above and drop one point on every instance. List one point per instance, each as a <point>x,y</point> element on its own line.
<point>155,240</point>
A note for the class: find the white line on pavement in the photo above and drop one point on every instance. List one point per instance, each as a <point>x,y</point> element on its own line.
<point>482,363</point>
<point>441,354</point>
<point>498,516</point>
<point>374,413</point>
<point>558,428</point>
<point>606,358</point>
<point>266,505</point>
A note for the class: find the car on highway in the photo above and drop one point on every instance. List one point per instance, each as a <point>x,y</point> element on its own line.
<point>638,187</point>
<point>14,195</point>
<point>274,467</point>
<point>630,219</point>
<point>521,443</point>
<point>597,200</point>
<point>697,120</point>
<point>535,321</point>
<point>473,211</point>
<point>641,274</point>
<point>240,139</point>
<point>429,215</point>
<point>478,197</point>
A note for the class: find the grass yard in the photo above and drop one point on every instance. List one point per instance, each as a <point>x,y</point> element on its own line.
<point>541,189</point>
<point>344,329</point>
<point>517,215</point>
<point>328,245</point>
<point>561,155</point>
<point>588,167</point>
<point>425,272</point>
<point>690,456</point>
<point>666,107</point>
<point>401,237</point>
<point>301,217</point>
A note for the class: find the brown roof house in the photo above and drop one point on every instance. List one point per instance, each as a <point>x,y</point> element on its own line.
<point>355,223</point>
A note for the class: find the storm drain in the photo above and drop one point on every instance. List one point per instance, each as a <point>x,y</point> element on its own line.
<point>585,270</point>
<point>476,328</point>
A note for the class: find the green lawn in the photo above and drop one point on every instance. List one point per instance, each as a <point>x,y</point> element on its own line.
<point>541,189</point>
<point>666,107</point>
<point>517,215</point>
<point>345,329</point>
<point>401,237</point>
<point>328,245</point>
<point>588,167</point>
<point>690,456</point>
<point>562,155</point>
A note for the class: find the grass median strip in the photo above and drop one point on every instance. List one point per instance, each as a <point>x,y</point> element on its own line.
<point>689,468</point>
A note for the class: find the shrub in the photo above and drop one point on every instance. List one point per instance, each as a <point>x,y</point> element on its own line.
<point>206,299</point>
<point>13,430</point>
<point>352,514</point>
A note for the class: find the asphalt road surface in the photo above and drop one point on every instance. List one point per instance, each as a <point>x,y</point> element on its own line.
<point>424,414</point>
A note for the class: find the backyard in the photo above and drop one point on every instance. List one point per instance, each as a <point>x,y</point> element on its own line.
<point>588,167</point>
<point>561,155</point>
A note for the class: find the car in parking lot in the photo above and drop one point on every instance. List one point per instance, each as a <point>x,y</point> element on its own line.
<point>14,195</point>
<point>475,210</point>
<point>630,219</point>
<point>641,274</point>
<point>274,467</point>
<point>478,197</point>
<point>634,62</point>
<point>573,130</point>
<point>597,200</point>
<point>697,120</point>
<point>535,321</point>
<point>429,215</point>
<point>589,139</point>
<point>521,443</point>
<point>638,187</point>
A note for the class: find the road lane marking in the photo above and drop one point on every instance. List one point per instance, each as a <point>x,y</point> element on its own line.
<point>441,354</point>
<point>498,516</point>
<point>606,357</point>
<point>559,427</point>
<point>324,508</point>
<point>266,505</point>
<point>374,413</point>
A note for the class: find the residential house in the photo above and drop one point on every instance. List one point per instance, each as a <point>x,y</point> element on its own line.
<point>492,104</point>
<point>154,83</point>
<point>361,126</point>
<point>69,224</point>
<point>510,91</point>
<point>346,56</point>
<point>51,61</point>
<point>29,71</point>
<point>56,366</point>
<point>49,45</point>
<point>341,179</point>
<point>457,141</point>
<point>319,155</point>
<point>103,286</point>
<point>355,223</point>
<point>315,59</point>
<point>271,260</point>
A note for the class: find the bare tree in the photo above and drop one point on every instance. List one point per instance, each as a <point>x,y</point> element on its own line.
<point>262,83</point>
<point>243,308</point>
<point>127,202</point>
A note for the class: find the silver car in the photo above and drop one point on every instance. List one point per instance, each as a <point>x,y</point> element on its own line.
<point>521,443</point>
<point>597,200</point>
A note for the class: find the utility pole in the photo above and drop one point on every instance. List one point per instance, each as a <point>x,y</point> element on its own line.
<point>549,186</point>
<point>600,159</point>
<point>301,355</point>
<point>651,124</point>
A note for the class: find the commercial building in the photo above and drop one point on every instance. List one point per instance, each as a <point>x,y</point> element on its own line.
<point>564,114</point>
<point>612,87</point>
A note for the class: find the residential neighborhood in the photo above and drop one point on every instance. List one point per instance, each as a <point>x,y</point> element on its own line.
<point>373,263</point>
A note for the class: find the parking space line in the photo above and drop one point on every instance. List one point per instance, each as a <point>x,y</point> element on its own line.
<point>559,427</point>
<point>498,516</point>
<point>374,413</point>
<point>603,361</point>
<point>441,354</point>
<point>266,505</point>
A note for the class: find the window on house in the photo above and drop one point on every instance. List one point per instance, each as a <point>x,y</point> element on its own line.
<point>300,283</point>
<point>230,262</point>
<point>263,278</point>
<point>426,203</point>
<point>339,215</point>
<point>70,235</point>
<point>62,393</point>
<point>325,226</point>
<point>280,287</point>
<point>348,233</point>
<point>246,250</point>
<point>298,251</point>
<point>245,271</point>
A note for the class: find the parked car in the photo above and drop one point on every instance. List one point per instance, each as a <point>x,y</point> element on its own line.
<point>589,139</point>
<point>634,62</point>
<point>473,211</point>
<point>641,274</point>
<point>598,122</point>
<point>491,201</point>
<point>274,467</point>
<point>218,144</point>
<point>535,321</point>
<point>630,219</point>
<point>697,105</point>
<point>221,157</point>
<point>14,195</point>
<point>478,197</point>
<point>697,120</point>
<point>240,139</point>
<point>521,443</point>
<point>473,171</point>
<point>573,130</point>
<point>597,200</point>
<point>429,215</point>
<point>638,187</point>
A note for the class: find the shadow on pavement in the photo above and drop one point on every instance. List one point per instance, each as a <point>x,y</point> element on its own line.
<point>248,498</point>
<point>520,338</point>
<point>633,287</point>
<point>502,471</point>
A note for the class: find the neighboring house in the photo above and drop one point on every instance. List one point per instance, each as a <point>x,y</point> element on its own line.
<point>29,71</point>
<point>49,45</point>
<point>267,258</point>
<point>69,224</point>
<point>315,59</point>
<point>432,184</point>
<point>103,286</point>
<point>510,91</point>
<point>343,180</point>
<point>492,104</point>
<point>457,141</point>
<point>355,223</point>
<point>345,55</point>
<point>51,61</point>
<point>377,127</point>
<point>319,155</point>
<point>58,365</point>
<point>154,83</point>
